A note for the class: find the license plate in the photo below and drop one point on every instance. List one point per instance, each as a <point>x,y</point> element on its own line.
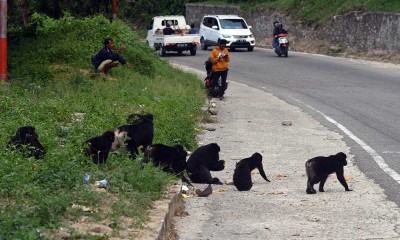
<point>283,40</point>
<point>241,41</point>
<point>181,45</point>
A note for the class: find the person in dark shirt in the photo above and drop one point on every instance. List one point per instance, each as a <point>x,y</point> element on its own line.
<point>168,30</point>
<point>192,29</point>
<point>106,58</point>
<point>278,29</point>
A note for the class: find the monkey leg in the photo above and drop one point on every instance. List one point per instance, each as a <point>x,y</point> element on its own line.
<point>216,181</point>
<point>322,182</point>
<point>310,187</point>
<point>131,148</point>
<point>202,175</point>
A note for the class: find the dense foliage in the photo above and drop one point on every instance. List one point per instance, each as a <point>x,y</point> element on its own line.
<point>54,88</point>
<point>141,11</point>
<point>136,12</point>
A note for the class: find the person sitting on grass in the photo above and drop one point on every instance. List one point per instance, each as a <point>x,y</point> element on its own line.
<point>106,58</point>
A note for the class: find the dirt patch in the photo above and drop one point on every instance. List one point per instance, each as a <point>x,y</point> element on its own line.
<point>97,222</point>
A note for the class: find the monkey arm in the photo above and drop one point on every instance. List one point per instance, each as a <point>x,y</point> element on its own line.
<point>182,176</point>
<point>218,166</point>
<point>340,177</point>
<point>262,173</point>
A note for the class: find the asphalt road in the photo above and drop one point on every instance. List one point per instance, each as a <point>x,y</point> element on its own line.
<point>358,99</point>
<point>250,120</point>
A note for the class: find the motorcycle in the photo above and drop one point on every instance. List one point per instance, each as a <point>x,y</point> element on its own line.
<point>213,89</point>
<point>283,45</point>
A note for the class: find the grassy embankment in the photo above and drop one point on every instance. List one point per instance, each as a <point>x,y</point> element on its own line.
<point>54,88</point>
<point>318,10</point>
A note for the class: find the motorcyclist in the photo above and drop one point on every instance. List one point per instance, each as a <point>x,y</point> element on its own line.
<point>278,29</point>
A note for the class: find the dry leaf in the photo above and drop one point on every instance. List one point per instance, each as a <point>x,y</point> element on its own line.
<point>276,193</point>
<point>229,181</point>
<point>204,193</point>
<point>222,190</point>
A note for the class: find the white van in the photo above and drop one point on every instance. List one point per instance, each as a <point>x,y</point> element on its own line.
<point>232,28</point>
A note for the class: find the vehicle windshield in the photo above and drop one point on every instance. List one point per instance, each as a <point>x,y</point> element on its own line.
<point>233,24</point>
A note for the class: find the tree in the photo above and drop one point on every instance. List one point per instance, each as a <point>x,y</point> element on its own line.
<point>25,15</point>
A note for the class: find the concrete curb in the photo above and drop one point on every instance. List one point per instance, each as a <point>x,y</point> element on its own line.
<point>167,225</point>
<point>161,216</point>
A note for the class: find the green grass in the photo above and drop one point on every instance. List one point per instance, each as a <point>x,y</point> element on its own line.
<point>51,81</point>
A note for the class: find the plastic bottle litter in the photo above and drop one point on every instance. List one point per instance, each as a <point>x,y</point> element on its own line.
<point>86,178</point>
<point>101,184</point>
<point>184,189</point>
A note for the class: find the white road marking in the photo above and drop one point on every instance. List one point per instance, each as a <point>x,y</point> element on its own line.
<point>377,158</point>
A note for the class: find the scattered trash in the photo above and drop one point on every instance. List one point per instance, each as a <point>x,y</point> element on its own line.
<point>86,178</point>
<point>229,181</point>
<point>101,184</point>
<point>281,175</point>
<point>77,117</point>
<point>204,193</point>
<point>83,208</point>
<point>186,196</point>
<point>286,123</point>
<point>184,189</point>
<point>275,193</point>
<point>222,190</point>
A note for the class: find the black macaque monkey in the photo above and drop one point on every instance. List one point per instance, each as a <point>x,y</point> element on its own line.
<point>242,174</point>
<point>172,159</point>
<point>99,147</point>
<point>134,136</point>
<point>26,140</point>
<point>203,160</point>
<point>319,168</point>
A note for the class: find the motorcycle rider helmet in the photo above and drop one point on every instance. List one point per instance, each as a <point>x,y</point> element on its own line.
<point>276,23</point>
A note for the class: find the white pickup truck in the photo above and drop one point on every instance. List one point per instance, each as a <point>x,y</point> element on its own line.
<point>178,42</point>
